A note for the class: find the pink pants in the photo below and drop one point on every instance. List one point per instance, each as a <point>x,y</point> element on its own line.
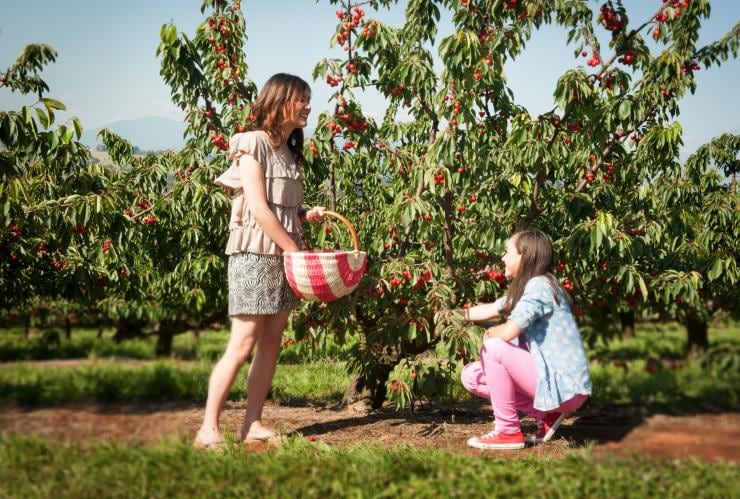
<point>506,375</point>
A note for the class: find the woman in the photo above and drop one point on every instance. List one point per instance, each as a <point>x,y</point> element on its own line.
<point>265,222</point>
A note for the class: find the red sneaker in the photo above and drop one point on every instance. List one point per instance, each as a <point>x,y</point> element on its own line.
<point>495,440</point>
<point>546,428</point>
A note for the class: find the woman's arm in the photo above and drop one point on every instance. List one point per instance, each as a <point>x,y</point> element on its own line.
<point>253,185</point>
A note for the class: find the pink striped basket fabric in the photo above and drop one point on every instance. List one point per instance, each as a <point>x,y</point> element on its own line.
<point>325,275</point>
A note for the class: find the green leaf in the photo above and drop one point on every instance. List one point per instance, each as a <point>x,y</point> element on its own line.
<point>624,110</point>
<point>643,287</point>
<point>43,117</point>
<point>716,269</point>
<point>78,127</point>
<point>53,104</point>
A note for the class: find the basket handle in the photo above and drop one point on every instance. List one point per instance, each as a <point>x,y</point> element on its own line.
<point>349,225</point>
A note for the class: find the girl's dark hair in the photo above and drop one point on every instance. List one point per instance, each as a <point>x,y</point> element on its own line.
<point>536,250</point>
<point>278,93</point>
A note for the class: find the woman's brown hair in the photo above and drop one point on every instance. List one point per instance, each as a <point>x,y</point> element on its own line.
<point>536,250</point>
<point>275,97</point>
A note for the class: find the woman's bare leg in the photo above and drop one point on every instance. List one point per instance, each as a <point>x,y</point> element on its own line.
<point>245,333</point>
<point>261,373</point>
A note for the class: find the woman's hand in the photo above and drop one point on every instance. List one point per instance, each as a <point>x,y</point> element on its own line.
<point>315,214</point>
<point>291,248</point>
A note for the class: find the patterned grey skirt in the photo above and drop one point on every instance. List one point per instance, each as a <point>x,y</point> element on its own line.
<point>257,285</point>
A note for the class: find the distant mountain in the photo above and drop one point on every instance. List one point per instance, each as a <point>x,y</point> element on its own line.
<point>148,134</point>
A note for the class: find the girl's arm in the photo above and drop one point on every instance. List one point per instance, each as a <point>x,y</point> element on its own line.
<point>536,302</point>
<point>253,185</point>
<point>482,312</point>
<point>506,331</point>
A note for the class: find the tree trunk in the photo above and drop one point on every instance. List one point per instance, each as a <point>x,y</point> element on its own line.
<point>127,329</point>
<point>697,336</point>
<point>628,324</point>
<point>165,335</point>
<point>370,390</point>
<point>26,327</point>
<point>67,327</point>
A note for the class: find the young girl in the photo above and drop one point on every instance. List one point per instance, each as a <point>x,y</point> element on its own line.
<point>534,362</point>
<point>265,221</point>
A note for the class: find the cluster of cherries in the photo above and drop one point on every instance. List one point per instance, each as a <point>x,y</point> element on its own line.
<point>353,123</point>
<point>183,175</point>
<point>662,16</point>
<point>14,229</point>
<point>594,60</point>
<point>397,385</point>
<point>219,141</point>
<point>498,277</point>
<point>350,20</point>
<point>610,19</point>
<point>628,58</point>
<point>333,81</point>
<point>690,67</point>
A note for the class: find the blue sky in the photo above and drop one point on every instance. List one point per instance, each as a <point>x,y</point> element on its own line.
<point>107,69</point>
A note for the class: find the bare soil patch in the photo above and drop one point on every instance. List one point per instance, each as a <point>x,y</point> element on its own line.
<point>616,431</point>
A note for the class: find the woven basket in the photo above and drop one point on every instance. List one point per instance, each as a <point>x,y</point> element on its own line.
<point>326,275</point>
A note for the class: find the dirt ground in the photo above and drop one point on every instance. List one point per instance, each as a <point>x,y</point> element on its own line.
<point>614,431</point>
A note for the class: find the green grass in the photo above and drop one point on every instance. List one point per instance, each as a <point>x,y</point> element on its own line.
<point>647,370</point>
<point>34,468</point>
<point>660,340</point>
<point>686,389</point>
<point>209,346</point>
<point>165,380</point>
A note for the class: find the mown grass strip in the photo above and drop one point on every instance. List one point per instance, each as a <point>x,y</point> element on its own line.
<point>166,380</point>
<point>664,390</point>
<point>33,468</point>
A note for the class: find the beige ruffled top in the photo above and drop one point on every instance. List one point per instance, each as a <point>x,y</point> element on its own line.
<point>283,186</point>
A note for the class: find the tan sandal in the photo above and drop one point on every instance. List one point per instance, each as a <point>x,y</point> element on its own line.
<point>210,445</point>
<point>271,439</point>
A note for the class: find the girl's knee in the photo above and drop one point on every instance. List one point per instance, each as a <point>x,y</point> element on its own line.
<point>494,347</point>
<point>470,375</point>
